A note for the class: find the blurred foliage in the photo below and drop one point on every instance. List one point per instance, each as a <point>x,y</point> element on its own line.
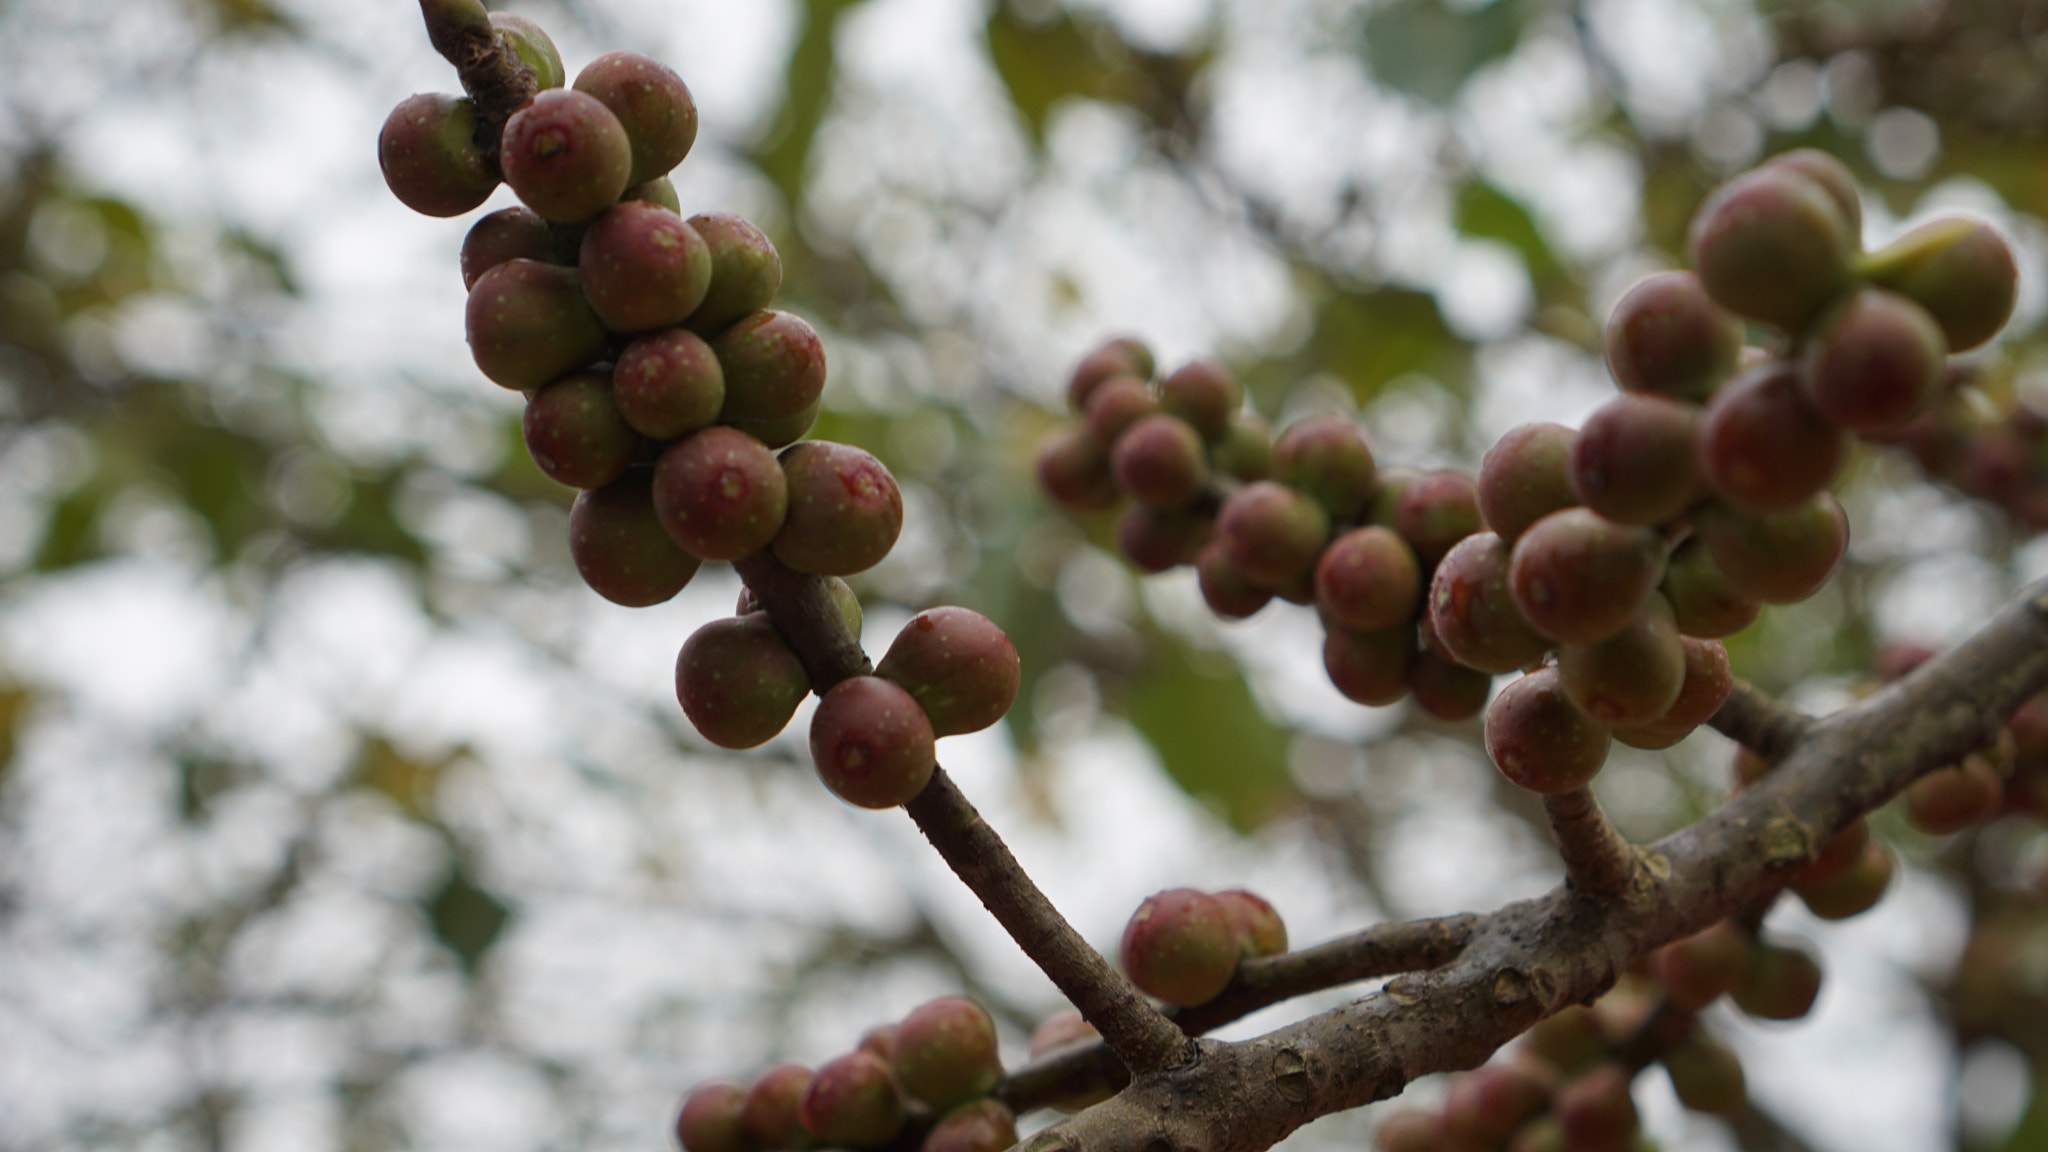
<point>75,260</point>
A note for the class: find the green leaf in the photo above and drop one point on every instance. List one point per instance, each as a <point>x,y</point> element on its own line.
<point>1215,741</point>
<point>1423,48</point>
<point>1044,62</point>
<point>1368,338</point>
<point>1485,212</point>
<point>465,917</point>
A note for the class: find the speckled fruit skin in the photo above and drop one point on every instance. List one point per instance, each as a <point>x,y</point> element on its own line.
<point>871,743</point>
<point>668,384</point>
<point>528,323</point>
<point>643,267</point>
<point>738,682</point>
<point>565,155</point>
<point>513,233</point>
<point>1773,245</point>
<point>1473,614</point>
<point>1578,577</point>
<point>946,1053</point>
<point>1259,929</point>
<point>620,548</point>
<point>652,104</point>
<point>720,493</point>
<point>746,271</point>
<point>774,366</point>
<point>427,150</point>
<point>844,509</point>
<point>1179,946</point>
<point>962,669</point>
<point>852,1102</point>
<point>574,431</point>
<point>1539,739</point>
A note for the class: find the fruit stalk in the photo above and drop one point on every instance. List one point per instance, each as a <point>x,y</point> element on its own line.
<point>1597,861</point>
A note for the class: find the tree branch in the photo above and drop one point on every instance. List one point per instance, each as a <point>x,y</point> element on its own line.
<point>801,608</point>
<point>1533,958</point>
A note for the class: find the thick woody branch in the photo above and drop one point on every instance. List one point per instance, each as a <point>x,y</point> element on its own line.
<point>1382,950</point>
<point>492,74</point>
<point>1145,1041</point>
<point>1530,959</point>
<point>1597,861</point>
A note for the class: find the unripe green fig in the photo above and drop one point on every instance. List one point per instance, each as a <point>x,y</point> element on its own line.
<point>770,1116</point>
<point>565,155</point>
<point>1524,477</point>
<point>1773,245</point>
<point>985,1125</point>
<point>774,366</point>
<point>1539,739</point>
<point>1706,1075</point>
<point>720,493</point>
<point>1369,666</point>
<point>508,234</point>
<point>945,1053</point>
<point>852,1101</point>
<point>1960,270</point>
<point>1702,600</point>
<point>1257,925</point>
<point>1074,470</point>
<point>844,509</point>
<point>1368,578</point>
<point>668,384</point>
<point>1780,983</point>
<point>652,104</point>
<point>575,433</point>
<point>619,546</point>
<point>1121,356</point>
<point>643,267</point>
<point>430,157</point>
<point>1158,461</point>
<point>1472,613</point>
<point>1272,533</point>
<point>746,272</point>
<point>710,1119</point>
<point>1179,947</point>
<point>1246,450</point>
<point>871,743</point>
<point>1779,557</point>
<point>534,47</point>
<point>1203,393</point>
<point>528,323</point>
<point>1578,577</point>
<point>1666,335</point>
<point>1632,677</point>
<point>1327,457</point>
<point>961,668</point>
<point>660,192</point>
<point>739,682</point>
